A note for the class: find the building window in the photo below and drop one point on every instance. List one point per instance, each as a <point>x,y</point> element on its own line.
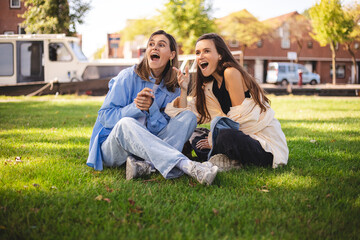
<point>284,33</point>
<point>356,45</point>
<point>6,59</point>
<point>233,43</point>
<point>58,52</point>
<point>21,30</point>
<point>340,71</point>
<point>15,3</point>
<point>310,44</point>
<point>259,43</point>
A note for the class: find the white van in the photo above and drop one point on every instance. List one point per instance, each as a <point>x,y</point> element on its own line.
<point>285,73</point>
<point>36,58</point>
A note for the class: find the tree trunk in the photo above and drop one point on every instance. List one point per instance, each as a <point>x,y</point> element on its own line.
<point>333,60</point>
<point>348,48</point>
<point>298,41</point>
<point>243,47</point>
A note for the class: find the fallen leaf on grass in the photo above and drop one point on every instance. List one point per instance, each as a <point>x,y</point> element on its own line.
<point>328,195</point>
<point>35,210</point>
<point>53,187</point>
<point>313,141</point>
<point>132,202</point>
<point>191,183</point>
<point>36,185</point>
<point>2,227</point>
<point>109,189</point>
<point>215,211</point>
<point>99,198</point>
<point>137,209</point>
<point>7,162</point>
<point>264,189</point>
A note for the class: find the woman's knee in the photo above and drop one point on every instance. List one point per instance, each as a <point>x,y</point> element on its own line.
<point>188,117</point>
<point>230,136</point>
<point>125,123</point>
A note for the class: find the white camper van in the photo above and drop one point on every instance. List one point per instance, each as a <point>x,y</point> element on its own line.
<point>49,57</point>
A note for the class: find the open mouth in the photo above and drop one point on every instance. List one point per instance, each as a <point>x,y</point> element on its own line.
<point>154,56</point>
<point>204,65</point>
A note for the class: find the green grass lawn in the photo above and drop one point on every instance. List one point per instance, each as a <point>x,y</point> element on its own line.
<point>52,194</point>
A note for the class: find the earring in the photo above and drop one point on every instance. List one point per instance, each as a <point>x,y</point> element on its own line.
<point>170,63</point>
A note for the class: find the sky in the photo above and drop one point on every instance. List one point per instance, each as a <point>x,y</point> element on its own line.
<point>108,16</point>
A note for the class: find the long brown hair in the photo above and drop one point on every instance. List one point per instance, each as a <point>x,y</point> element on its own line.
<point>168,75</point>
<point>227,60</point>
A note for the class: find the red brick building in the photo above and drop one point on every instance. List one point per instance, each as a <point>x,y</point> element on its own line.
<point>317,59</point>
<point>9,19</point>
<point>114,49</point>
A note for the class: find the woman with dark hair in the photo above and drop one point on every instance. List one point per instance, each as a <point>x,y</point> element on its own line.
<point>243,129</point>
<point>132,127</point>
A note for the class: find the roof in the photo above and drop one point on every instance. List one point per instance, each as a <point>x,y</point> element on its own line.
<point>279,20</point>
<point>243,12</point>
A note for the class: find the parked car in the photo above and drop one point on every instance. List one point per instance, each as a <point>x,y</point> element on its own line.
<point>285,73</point>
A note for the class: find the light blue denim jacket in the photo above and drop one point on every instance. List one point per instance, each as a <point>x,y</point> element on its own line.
<point>119,103</point>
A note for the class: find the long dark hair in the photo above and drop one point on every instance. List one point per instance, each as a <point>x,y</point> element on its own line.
<point>227,60</point>
<point>168,75</point>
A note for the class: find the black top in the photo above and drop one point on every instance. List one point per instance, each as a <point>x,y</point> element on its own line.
<point>223,96</point>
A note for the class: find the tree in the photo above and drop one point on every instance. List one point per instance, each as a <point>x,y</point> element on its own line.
<point>187,20</point>
<point>78,10</point>
<point>353,13</point>
<point>330,25</point>
<point>135,27</point>
<point>243,27</point>
<point>54,16</point>
<point>99,52</point>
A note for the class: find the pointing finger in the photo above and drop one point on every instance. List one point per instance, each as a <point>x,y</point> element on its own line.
<point>187,71</point>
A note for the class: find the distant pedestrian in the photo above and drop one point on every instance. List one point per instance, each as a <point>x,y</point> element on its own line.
<point>132,126</point>
<point>243,127</point>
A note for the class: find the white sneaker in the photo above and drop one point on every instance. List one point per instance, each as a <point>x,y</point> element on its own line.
<point>208,164</point>
<point>224,163</point>
<point>203,174</point>
<point>135,168</point>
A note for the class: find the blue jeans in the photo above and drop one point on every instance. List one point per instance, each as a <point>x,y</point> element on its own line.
<point>129,137</point>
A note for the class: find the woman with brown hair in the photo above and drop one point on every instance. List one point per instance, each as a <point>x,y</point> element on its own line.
<point>243,127</point>
<point>132,127</point>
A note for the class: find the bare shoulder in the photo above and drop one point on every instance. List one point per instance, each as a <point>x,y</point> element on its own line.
<point>231,75</point>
